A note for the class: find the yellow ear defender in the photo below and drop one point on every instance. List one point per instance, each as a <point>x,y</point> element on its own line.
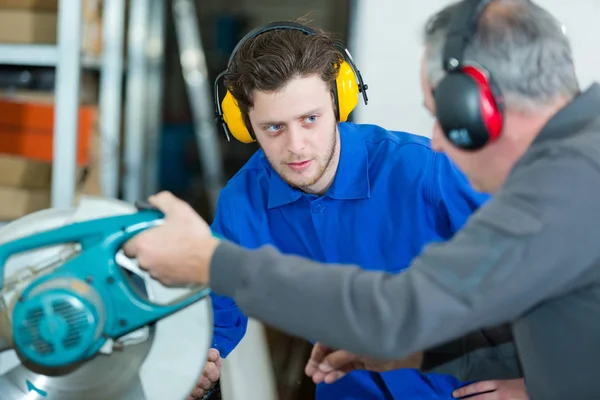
<point>348,85</point>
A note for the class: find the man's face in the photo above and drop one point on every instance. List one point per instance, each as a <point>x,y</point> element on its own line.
<point>470,163</point>
<point>296,128</point>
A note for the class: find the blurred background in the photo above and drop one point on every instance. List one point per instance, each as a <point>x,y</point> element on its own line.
<point>115,98</point>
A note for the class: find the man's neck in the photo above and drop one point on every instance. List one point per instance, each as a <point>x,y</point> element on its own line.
<point>525,127</point>
<point>521,129</point>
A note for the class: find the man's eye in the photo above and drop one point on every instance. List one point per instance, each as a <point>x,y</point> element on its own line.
<point>274,128</point>
<point>310,119</point>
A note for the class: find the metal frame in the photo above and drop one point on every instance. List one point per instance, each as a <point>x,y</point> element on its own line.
<point>66,108</point>
<point>110,95</point>
<point>195,75</point>
<point>40,55</point>
<point>135,111</point>
<point>143,96</point>
<point>66,57</point>
<point>155,52</point>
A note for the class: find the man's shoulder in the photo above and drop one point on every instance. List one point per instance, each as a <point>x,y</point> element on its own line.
<point>392,149</point>
<point>377,138</point>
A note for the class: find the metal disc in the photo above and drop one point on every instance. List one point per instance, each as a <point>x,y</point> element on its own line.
<point>165,366</point>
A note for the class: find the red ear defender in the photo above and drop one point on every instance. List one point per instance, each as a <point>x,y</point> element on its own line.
<point>490,105</point>
<point>468,108</point>
<point>469,105</point>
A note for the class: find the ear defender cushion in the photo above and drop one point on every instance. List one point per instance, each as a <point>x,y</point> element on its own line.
<point>233,118</point>
<point>466,109</point>
<point>347,91</point>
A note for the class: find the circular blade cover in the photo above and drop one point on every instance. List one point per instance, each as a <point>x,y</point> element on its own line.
<point>165,364</point>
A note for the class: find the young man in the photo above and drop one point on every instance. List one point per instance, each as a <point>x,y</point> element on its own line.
<point>329,190</point>
<point>528,257</point>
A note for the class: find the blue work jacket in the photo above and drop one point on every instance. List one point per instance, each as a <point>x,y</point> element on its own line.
<point>392,195</point>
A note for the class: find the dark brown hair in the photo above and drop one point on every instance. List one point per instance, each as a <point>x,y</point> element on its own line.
<point>268,61</point>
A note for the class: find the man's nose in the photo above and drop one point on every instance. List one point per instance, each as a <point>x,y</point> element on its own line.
<point>295,140</point>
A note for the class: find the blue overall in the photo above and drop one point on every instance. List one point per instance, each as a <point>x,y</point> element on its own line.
<point>392,195</point>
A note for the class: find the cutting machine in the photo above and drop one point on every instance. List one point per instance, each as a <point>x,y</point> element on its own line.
<point>80,320</point>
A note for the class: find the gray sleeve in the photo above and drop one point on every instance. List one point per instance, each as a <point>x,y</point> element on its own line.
<point>481,355</point>
<point>534,240</point>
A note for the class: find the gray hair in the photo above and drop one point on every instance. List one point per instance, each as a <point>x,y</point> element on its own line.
<point>523,47</point>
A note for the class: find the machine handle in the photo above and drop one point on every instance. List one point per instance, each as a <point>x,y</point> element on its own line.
<point>127,309</point>
<point>87,234</point>
<point>134,310</point>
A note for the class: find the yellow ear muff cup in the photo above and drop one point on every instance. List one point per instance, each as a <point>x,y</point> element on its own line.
<point>347,90</point>
<point>233,118</point>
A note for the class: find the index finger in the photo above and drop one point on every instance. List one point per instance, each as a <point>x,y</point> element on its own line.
<point>165,201</point>
<point>339,359</point>
<point>317,355</point>
<point>319,352</point>
<point>474,388</point>
<point>213,355</point>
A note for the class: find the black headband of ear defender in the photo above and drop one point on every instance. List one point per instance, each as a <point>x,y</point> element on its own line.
<point>463,25</point>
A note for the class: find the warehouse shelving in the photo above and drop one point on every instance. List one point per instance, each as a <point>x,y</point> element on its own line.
<point>132,61</point>
<point>144,48</point>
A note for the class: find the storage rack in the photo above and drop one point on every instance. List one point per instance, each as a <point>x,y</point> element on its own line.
<point>145,48</point>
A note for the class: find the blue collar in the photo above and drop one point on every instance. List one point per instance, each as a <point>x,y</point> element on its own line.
<point>351,179</point>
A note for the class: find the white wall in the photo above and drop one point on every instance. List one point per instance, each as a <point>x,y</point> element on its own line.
<point>386,45</point>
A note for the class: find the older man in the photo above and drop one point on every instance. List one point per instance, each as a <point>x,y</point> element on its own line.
<point>510,114</point>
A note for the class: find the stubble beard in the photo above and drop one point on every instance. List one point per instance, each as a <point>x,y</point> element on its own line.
<point>323,163</point>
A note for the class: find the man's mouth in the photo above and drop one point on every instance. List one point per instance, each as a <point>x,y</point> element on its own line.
<point>299,166</point>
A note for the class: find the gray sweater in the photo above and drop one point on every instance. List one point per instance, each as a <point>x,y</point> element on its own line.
<point>530,257</point>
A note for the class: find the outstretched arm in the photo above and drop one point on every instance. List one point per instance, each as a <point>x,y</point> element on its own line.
<point>505,261</point>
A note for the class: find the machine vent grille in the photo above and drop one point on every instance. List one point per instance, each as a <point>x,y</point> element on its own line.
<point>76,321</point>
<point>31,331</point>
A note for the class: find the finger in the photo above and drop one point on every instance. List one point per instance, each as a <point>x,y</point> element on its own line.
<point>165,201</point>
<point>198,392</point>
<point>213,355</point>
<point>318,377</point>
<point>473,388</point>
<point>334,376</point>
<point>317,355</point>
<point>130,249</point>
<point>212,372</point>
<point>202,381</point>
<point>207,384</point>
<point>337,360</point>
<point>311,368</point>
<point>319,351</point>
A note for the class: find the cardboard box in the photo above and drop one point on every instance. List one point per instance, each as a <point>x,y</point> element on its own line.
<point>27,126</point>
<point>20,172</point>
<point>18,202</point>
<point>39,5</point>
<point>91,25</point>
<point>28,27</point>
<point>25,185</point>
<point>36,22</point>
